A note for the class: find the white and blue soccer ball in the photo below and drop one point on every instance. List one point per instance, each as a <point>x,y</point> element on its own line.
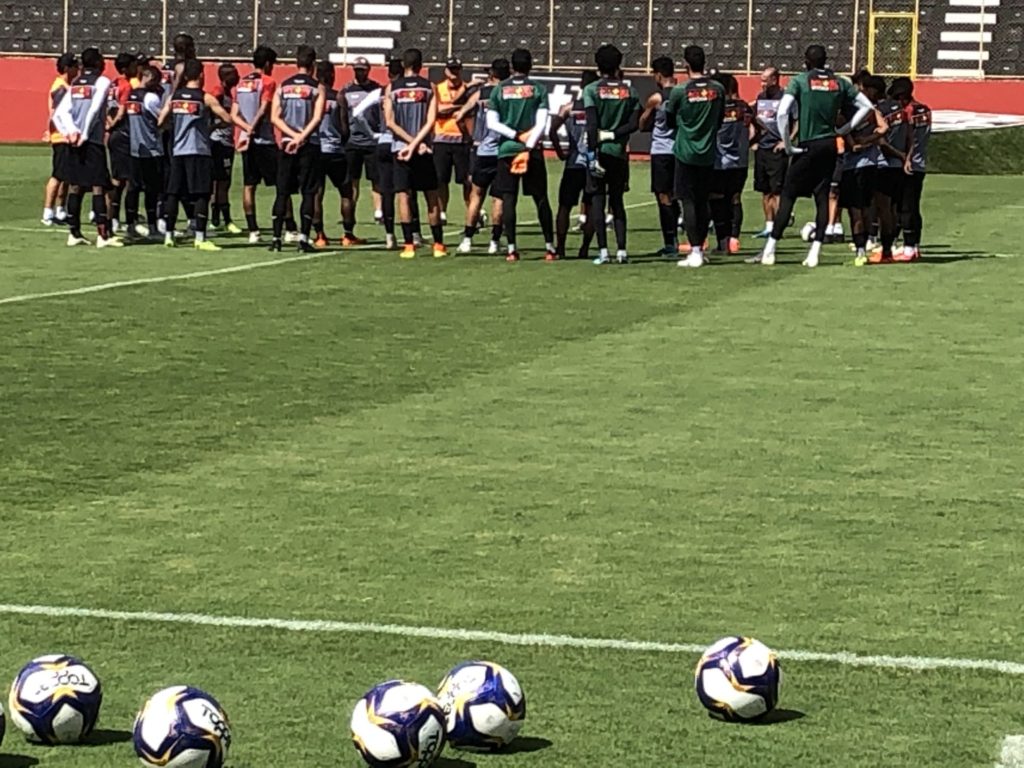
<point>55,700</point>
<point>484,706</point>
<point>182,727</point>
<point>398,724</point>
<point>807,231</point>
<point>738,679</point>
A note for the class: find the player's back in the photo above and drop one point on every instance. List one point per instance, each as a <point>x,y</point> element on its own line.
<point>517,101</point>
<point>663,132</point>
<point>143,129</point>
<point>820,94</point>
<point>698,105</point>
<point>252,90</point>
<point>364,126</point>
<point>615,103</point>
<point>331,140</point>
<point>192,124</point>
<point>410,103</point>
<point>297,97</point>
<point>919,117</point>
<point>732,146</point>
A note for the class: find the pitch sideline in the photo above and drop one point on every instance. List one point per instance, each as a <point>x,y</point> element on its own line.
<point>916,663</point>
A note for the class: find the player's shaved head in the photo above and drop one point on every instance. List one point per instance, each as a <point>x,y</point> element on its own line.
<point>184,47</point>
<point>501,69</point>
<point>770,76</point>
<point>192,70</point>
<point>325,73</point>
<point>305,57</point>
<point>608,59</point>
<point>664,66</point>
<point>228,74</point>
<point>522,61</point>
<point>395,68</point>
<point>902,88</point>
<point>815,57</point>
<point>695,59</point>
<point>264,56</point>
<point>92,58</point>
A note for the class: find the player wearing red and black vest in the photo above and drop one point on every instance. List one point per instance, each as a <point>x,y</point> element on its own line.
<point>572,189</point>
<point>223,148</point>
<point>296,112</point>
<point>518,111</point>
<point>56,185</point>
<point>118,143</point>
<point>253,97</point>
<point>410,112</point>
<point>918,118</point>
<point>79,118</point>
<point>889,177</point>
<point>333,164</point>
<point>190,112</point>
<point>819,95</point>
<point>732,159</point>
<point>147,148</point>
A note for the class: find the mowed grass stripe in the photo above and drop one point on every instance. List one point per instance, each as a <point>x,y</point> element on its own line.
<point>915,663</point>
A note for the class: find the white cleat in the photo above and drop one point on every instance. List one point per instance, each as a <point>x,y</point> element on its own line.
<point>492,247</point>
<point>608,219</point>
<point>109,242</point>
<point>73,241</point>
<point>389,242</point>
<point>115,226</point>
<point>292,237</point>
<point>417,239</point>
<point>767,260</point>
<point>92,217</point>
<point>142,230</point>
<point>444,217</point>
<point>46,222</point>
<point>161,226</point>
<point>811,260</point>
<point>254,238</point>
<point>693,261</point>
<point>622,257</point>
<point>466,246</point>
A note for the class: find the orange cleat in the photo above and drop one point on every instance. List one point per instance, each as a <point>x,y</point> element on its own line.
<point>550,256</point>
<point>321,241</point>
<point>408,252</point>
<point>734,245</point>
<point>440,251</point>
<point>513,256</point>
<point>350,240</point>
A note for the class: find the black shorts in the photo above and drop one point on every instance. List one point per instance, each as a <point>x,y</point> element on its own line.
<point>692,182</point>
<point>334,168</point>
<point>663,174</point>
<point>483,170</point>
<point>811,171</point>
<point>890,182</point>
<point>385,170</point>
<point>223,160</point>
<point>837,173</point>
<point>59,161</point>
<point>535,180</point>
<point>770,171</point>
<point>858,188</point>
<point>573,187</point>
<point>299,172</point>
<point>259,165</point>
<point>148,174</point>
<point>87,166</point>
<point>728,182</point>
<point>190,175</point>
<point>416,175</point>
<point>119,147</point>
<point>615,179</point>
<point>450,156</point>
<point>362,160</point>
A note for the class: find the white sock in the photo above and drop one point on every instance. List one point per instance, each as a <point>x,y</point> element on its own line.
<point>769,246</point>
<point>830,230</point>
<point>61,213</point>
<point>200,236</point>
<point>511,247</point>
<point>48,214</point>
<point>168,238</point>
<point>815,250</point>
<point>603,253</point>
<point>837,229</point>
<point>621,254</point>
<point>549,246</point>
<point>696,253</point>
<point>768,226</point>
<point>861,252</point>
<point>378,214</point>
<point>582,218</point>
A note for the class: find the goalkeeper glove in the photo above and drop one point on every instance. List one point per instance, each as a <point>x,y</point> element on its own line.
<point>603,136</point>
<point>520,163</point>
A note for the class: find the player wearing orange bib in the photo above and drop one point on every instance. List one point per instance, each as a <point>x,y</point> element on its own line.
<point>56,185</point>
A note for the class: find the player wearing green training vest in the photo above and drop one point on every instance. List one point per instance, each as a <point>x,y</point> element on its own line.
<point>819,95</point>
<point>613,114</point>
<point>696,107</point>
<point>518,112</point>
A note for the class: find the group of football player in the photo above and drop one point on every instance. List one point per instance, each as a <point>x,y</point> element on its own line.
<point>164,137</point>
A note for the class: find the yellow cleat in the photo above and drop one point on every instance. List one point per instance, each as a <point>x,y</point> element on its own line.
<point>233,229</point>
<point>440,251</point>
<point>408,252</point>
<point>860,261</point>
<point>206,245</point>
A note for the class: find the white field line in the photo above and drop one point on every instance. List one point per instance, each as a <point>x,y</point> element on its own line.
<point>1012,753</point>
<point>200,274</point>
<point>917,663</point>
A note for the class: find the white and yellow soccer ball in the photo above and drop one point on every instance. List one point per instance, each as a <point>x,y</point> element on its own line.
<point>55,700</point>
<point>738,679</point>
<point>182,727</point>
<point>484,706</point>
<point>397,725</point>
<point>807,231</point>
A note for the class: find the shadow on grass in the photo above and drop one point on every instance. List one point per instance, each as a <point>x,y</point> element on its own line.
<point>103,737</point>
<point>524,744</point>
<point>778,716</point>
<point>453,762</point>
<point>17,761</point>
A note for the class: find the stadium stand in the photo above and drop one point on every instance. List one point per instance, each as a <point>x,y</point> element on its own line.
<point>946,38</point>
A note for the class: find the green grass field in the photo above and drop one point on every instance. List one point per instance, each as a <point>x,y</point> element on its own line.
<point>828,460</point>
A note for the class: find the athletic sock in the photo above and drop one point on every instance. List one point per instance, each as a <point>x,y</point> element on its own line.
<point>250,222</point>
<point>407,232</point>
<point>437,232</point>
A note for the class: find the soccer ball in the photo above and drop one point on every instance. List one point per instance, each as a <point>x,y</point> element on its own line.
<point>807,232</point>
<point>484,706</point>
<point>55,700</point>
<point>182,727</point>
<point>738,679</point>
<point>398,724</point>
<point>3,724</point>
